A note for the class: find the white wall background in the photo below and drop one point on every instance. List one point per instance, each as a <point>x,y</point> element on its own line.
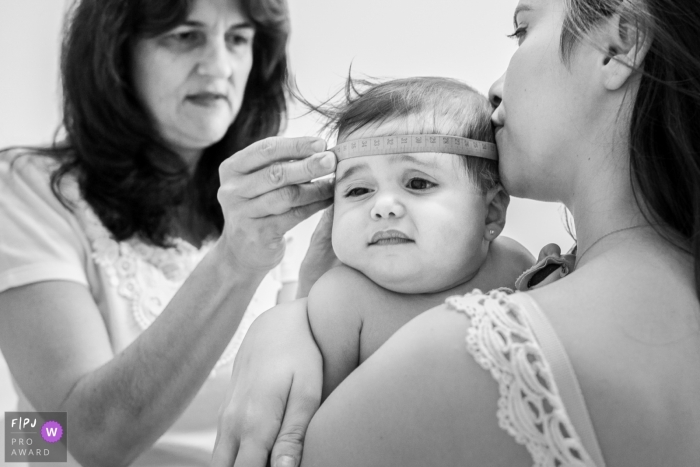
<point>463,39</point>
<point>29,32</point>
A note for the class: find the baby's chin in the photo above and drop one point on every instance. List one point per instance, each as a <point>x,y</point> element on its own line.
<point>417,283</point>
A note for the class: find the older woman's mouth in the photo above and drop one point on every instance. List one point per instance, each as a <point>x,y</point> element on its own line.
<point>390,237</point>
<point>208,99</point>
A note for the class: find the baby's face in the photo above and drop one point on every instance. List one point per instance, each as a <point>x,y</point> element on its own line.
<point>412,223</point>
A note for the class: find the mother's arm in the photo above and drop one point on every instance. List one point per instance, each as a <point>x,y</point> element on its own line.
<point>275,390</point>
<point>421,399</point>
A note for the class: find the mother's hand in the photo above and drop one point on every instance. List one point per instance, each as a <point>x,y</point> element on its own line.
<point>320,256</point>
<point>266,190</point>
<point>275,390</point>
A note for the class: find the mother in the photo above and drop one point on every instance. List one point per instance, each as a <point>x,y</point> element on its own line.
<point>129,252</point>
<point>598,109</point>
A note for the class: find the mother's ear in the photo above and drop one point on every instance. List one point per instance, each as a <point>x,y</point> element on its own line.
<point>627,43</point>
<point>497,201</point>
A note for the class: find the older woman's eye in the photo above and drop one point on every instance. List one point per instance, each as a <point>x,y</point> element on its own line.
<point>188,37</point>
<point>237,39</point>
<point>420,184</point>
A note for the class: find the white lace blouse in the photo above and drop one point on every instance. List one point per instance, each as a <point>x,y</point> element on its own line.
<point>540,404</point>
<point>131,283</point>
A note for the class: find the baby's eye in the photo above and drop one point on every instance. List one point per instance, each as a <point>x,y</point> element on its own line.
<point>356,192</point>
<point>420,184</point>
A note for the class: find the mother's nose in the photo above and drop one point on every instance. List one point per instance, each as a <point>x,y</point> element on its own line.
<point>496,91</point>
<point>387,206</point>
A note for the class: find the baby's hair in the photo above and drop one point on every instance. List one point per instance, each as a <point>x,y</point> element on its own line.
<point>424,105</point>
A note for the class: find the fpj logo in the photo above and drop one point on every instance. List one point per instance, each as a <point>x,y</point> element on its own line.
<point>36,437</point>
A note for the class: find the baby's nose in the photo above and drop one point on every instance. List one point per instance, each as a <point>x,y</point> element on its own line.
<point>387,207</point>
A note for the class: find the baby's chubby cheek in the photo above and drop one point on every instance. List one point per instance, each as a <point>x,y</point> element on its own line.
<point>339,240</point>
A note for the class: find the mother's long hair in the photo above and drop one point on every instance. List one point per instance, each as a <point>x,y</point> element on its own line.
<point>126,173</point>
<point>664,130</point>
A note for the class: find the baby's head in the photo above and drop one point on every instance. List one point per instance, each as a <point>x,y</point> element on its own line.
<point>415,222</point>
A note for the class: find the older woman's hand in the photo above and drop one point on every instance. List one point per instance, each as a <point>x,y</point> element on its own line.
<point>275,390</point>
<point>266,190</point>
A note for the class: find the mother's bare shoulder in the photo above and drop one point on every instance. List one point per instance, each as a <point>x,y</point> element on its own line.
<point>630,323</point>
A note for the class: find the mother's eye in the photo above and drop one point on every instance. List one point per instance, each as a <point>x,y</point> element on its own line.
<point>420,184</point>
<point>518,34</point>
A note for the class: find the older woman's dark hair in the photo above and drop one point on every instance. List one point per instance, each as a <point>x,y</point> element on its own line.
<point>133,182</point>
<point>665,134</point>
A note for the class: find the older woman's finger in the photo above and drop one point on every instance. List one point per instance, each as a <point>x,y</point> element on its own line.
<point>289,197</point>
<point>269,150</point>
<point>281,174</point>
<point>225,450</point>
<point>252,454</point>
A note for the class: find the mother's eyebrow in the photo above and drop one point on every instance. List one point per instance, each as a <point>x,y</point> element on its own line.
<point>519,9</point>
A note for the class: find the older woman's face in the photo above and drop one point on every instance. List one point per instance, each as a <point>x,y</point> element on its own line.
<point>545,107</point>
<point>192,79</point>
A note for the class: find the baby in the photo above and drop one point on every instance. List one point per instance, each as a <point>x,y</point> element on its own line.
<point>414,222</point>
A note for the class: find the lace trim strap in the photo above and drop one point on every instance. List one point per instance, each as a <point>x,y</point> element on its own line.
<point>530,407</point>
<point>565,376</point>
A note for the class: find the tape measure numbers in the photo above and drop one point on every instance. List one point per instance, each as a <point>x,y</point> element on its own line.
<point>400,144</point>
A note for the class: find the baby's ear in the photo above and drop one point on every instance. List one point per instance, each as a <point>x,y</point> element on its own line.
<point>497,201</point>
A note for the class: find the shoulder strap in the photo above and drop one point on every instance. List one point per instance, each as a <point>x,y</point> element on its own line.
<point>563,373</point>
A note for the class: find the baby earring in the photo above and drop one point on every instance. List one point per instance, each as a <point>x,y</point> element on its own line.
<point>491,232</point>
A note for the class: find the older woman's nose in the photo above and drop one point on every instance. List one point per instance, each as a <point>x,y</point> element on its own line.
<point>216,60</point>
<point>496,91</point>
<point>387,206</point>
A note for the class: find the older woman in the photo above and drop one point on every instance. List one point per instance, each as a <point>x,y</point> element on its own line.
<point>597,109</point>
<point>132,250</point>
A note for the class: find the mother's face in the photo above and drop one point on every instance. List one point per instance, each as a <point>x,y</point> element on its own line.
<point>192,79</point>
<point>544,105</point>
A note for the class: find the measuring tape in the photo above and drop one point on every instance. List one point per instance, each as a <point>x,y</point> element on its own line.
<point>401,144</point>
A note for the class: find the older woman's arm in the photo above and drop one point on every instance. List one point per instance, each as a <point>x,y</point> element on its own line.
<point>58,348</point>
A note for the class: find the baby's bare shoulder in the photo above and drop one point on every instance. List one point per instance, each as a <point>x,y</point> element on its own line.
<point>341,282</point>
<point>343,290</point>
<point>346,291</point>
<point>510,260</point>
<point>513,252</point>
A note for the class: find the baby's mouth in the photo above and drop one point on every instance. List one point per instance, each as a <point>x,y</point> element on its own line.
<point>390,237</point>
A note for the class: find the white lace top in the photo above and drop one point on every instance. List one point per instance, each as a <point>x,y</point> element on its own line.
<point>131,283</point>
<point>540,403</point>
